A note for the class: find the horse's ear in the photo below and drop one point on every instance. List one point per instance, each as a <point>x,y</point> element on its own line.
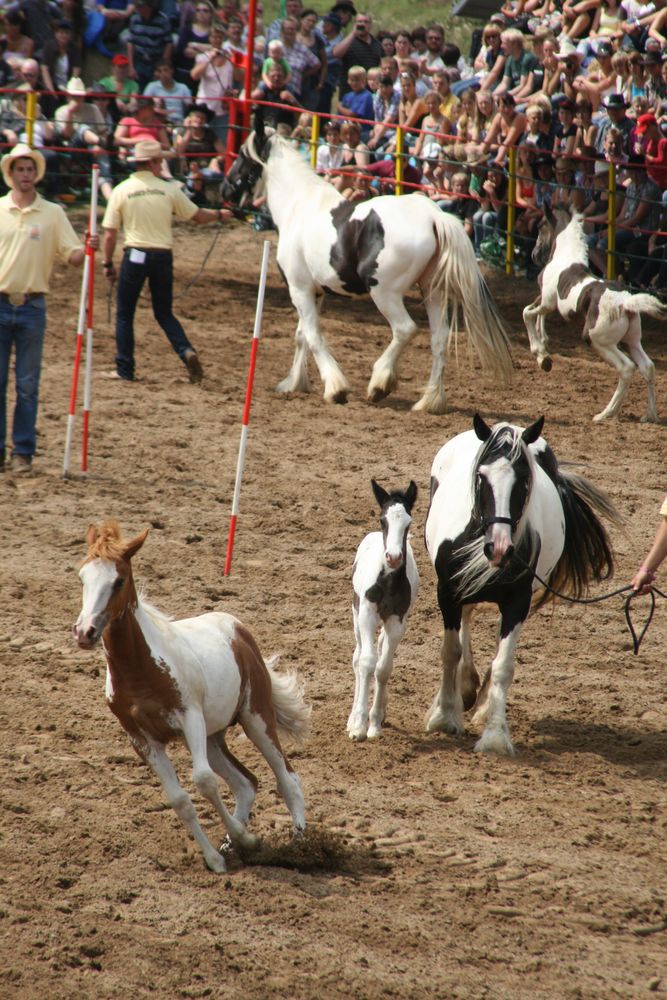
<point>92,534</point>
<point>482,429</point>
<point>381,494</point>
<point>133,547</point>
<point>411,495</point>
<point>260,134</point>
<point>531,434</point>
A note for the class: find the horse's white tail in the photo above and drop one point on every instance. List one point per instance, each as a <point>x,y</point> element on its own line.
<point>292,712</point>
<point>457,277</point>
<point>645,303</point>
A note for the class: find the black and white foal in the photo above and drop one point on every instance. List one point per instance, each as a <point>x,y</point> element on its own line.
<point>385,581</point>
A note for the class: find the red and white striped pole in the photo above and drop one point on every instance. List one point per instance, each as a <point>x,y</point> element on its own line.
<point>246,410</point>
<point>89,322</point>
<point>81,324</point>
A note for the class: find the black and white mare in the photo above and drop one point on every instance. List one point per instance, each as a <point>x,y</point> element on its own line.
<point>501,508</point>
<point>611,313</point>
<point>382,248</point>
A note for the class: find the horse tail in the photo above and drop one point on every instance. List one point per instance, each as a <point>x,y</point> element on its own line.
<point>289,704</point>
<point>457,277</point>
<point>587,553</point>
<point>645,303</point>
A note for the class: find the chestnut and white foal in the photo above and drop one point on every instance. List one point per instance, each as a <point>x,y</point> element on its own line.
<point>386,582</point>
<point>188,679</point>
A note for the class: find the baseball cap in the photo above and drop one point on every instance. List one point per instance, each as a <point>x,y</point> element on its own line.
<point>334,19</point>
<point>644,121</point>
<point>120,60</point>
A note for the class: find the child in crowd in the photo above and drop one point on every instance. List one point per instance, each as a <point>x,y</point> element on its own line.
<point>276,54</point>
<point>362,188</point>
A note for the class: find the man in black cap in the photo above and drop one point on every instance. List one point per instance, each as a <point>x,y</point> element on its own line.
<point>331,29</point>
<point>345,10</point>
<point>615,117</point>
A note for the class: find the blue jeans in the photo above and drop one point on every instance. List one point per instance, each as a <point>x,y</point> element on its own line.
<point>158,267</point>
<point>23,327</point>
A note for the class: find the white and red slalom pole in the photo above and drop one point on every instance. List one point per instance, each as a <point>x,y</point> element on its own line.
<point>85,317</point>
<point>246,410</point>
<point>90,251</point>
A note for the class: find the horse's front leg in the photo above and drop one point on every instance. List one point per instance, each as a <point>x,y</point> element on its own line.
<point>393,632</point>
<point>384,378</point>
<point>336,386</point>
<point>297,380</point>
<point>446,713</point>
<point>469,678</point>
<point>364,662</point>
<point>434,398</point>
<point>534,319</point>
<point>496,736</point>
<point>155,756</point>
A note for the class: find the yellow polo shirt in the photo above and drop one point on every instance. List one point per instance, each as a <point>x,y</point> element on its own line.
<point>30,241</point>
<point>144,206</point>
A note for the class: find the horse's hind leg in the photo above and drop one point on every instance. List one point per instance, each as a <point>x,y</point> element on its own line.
<point>180,801</point>
<point>633,342</point>
<point>241,781</point>
<point>434,398</point>
<point>625,368</point>
<point>468,677</point>
<point>336,386</point>
<point>533,317</point>
<point>446,713</point>
<point>384,378</point>
<point>262,732</point>
<point>393,632</point>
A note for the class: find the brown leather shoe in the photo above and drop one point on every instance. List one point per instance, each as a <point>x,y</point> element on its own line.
<point>21,463</point>
<point>193,365</point>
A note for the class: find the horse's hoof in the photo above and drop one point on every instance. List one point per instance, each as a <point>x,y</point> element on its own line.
<point>357,735</point>
<point>546,364</point>
<point>377,395</point>
<point>216,863</point>
<point>340,397</point>
<point>439,724</point>
<point>497,743</point>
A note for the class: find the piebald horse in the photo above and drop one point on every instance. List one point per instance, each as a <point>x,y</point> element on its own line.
<point>382,248</point>
<point>501,510</point>
<point>611,314</point>
<point>385,583</point>
<point>189,679</point>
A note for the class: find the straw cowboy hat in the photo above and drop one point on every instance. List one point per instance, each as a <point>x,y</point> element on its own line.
<point>19,152</point>
<point>76,87</point>
<point>146,149</point>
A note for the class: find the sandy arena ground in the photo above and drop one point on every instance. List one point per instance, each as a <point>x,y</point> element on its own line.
<point>429,872</point>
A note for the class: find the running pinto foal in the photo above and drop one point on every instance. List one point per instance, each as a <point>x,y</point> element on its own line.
<point>385,581</point>
<point>188,679</point>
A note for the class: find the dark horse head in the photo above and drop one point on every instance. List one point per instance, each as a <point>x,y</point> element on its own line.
<point>502,483</point>
<point>248,167</point>
<point>553,223</point>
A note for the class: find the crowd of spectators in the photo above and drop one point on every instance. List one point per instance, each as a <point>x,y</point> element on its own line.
<point>572,86</point>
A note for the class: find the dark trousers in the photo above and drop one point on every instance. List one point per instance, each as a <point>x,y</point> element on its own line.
<point>159,269</point>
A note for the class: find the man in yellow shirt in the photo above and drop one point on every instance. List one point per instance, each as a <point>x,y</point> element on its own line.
<point>145,206</point>
<point>33,234</point>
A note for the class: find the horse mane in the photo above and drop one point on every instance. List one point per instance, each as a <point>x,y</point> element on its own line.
<point>301,174</point>
<point>575,229</point>
<point>109,544</point>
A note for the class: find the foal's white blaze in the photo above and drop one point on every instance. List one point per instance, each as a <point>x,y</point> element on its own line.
<point>98,578</point>
<point>397,522</point>
<point>500,477</point>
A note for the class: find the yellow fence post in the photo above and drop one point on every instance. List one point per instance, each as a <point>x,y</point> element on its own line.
<point>314,139</point>
<point>30,112</point>
<point>511,213</point>
<point>611,224</point>
<point>398,159</point>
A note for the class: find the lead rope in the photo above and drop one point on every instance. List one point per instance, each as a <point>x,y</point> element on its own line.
<point>636,639</point>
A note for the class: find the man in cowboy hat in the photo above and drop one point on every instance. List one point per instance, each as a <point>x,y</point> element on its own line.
<point>33,234</point>
<point>145,205</point>
<point>615,107</point>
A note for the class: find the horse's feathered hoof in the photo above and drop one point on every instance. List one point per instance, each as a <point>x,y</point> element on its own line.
<point>377,395</point>
<point>546,364</point>
<point>340,397</point>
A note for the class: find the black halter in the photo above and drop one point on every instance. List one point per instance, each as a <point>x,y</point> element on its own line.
<point>488,521</point>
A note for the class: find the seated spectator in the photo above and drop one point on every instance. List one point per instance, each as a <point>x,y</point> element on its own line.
<point>402,51</point>
<point>442,87</point>
<point>653,145</point>
<point>565,194</point>
<point>586,127</point>
<point>13,123</point>
<point>578,18</point>
<point>387,42</point>
<point>551,68</point>
<point>193,39</point>
<point>301,135</point>
<point>80,125</point>
<point>116,15</point>
<point>635,220</point>
<point>461,204</point>
<point>385,173</point>
<point>519,66</point>
<point>489,64</point>
<point>435,127</point>
<point>172,99</point>
<point>330,152</point>
<point>16,46</point>
<point>120,85</point>
<point>358,101</point>
<point>354,154</point>
<point>507,129</point>
<point>411,112</point>
<point>565,133</point>
<point>492,208</point>
<point>213,73</point>
<point>373,79</point>
<point>61,62</point>
<point>278,92</point>
<point>300,58</point>
<point>535,135</point>
<point>615,116</point>
<point>197,146</point>
<point>599,80</point>
<point>143,124</point>
<point>361,188</point>
<point>570,61</point>
<point>432,57</point>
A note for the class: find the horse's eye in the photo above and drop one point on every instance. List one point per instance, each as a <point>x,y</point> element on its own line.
<point>118,583</point>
